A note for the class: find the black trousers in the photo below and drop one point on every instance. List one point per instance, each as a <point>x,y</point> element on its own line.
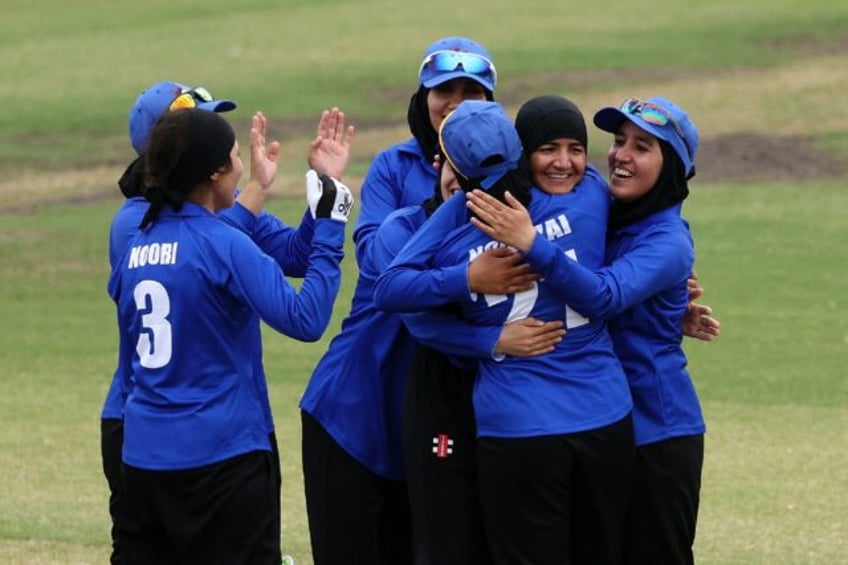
<point>664,512</point>
<point>218,514</point>
<point>439,437</point>
<point>559,499</point>
<point>277,477</point>
<point>111,445</point>
<point>355,517</point>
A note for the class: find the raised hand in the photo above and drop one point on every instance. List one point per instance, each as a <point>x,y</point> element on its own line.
<point>529,337</point>
<point>508,223</point>
<point>263,166</point>
<point>330,150</point>
<point>263,155</point>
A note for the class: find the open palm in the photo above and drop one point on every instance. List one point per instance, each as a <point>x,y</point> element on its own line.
<point>330,150</point>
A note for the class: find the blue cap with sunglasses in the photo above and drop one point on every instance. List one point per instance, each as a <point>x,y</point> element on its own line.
<point>661,118</point>
<point>456,57</point>
<point>166,96</point>
<point>479,141</point>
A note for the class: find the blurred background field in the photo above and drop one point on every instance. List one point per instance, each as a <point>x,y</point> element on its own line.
<point>764,80</point>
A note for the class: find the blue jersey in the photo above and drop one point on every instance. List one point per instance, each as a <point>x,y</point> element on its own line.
<point>356,390</point>
<point>643,291</point>
<point>579,386</point>
<point>190,290</point>
<point>399,176</point>
<point>123,228</point>
<point>289,246</point>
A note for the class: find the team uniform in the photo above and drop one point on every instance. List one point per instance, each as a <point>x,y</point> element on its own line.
<point>360,447</point>
<point>398,177</point>
<point>290,247</point>
<point>644,292</point>
<point>351,407</point>
<point>190,292</point>
<point>352,415</point>
<point>555,444</point>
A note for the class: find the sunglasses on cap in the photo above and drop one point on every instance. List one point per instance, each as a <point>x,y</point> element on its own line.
<point>449,61</point>
<point>654,114</point>
<point>190,98</point>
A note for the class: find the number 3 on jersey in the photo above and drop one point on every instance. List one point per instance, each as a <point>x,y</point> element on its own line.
<point>154,339</point>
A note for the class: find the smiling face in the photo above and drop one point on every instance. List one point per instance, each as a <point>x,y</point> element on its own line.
<point>443,99</point>
<point>635,162</point>
<point>558,165</point>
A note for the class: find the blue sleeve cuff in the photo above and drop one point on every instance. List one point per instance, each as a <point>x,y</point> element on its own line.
<point>456,282</point>
<point>240,217</point>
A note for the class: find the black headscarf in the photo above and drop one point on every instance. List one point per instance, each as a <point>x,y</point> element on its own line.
<point>418,118</point>
<point>545,118</point>
<point>185,149</point>
<point>131,182</point>
<point>671,188</point>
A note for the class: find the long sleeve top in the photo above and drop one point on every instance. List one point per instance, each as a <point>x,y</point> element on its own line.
<point>579,386</point>
<point>643,292</point>
<point>190,291</point>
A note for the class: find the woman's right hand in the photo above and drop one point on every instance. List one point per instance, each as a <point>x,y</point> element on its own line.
<point>263,155</point>
<point>500,271</point>
<point>263,166</point>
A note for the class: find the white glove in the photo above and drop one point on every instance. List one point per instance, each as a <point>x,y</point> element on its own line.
<point>328,197</point>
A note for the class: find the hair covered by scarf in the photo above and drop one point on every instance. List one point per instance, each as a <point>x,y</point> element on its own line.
<point>186,148</point>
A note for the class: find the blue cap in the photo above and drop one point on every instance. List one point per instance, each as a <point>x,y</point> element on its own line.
<point>157,99</point>
<point>480,142</point>
<point>454,57</point>
<point>678,130</point>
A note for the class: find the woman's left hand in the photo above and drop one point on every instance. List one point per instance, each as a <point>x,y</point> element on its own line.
<point>330,150</point>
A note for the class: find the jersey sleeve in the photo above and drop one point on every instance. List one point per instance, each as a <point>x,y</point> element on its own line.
<point>449,334</point>
<point>288,246</point>
<point>303,314</point>
<point>121,384</point>
<point>658,260</point>
<point>412,283</point>
<point>378,198</point>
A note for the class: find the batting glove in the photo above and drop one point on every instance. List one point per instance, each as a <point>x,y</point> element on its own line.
<point>328,197</point>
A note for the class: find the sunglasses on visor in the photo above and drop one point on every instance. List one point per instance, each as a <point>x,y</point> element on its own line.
<point>190,98</point>
<point>654,114</point>
<point>448,61</point>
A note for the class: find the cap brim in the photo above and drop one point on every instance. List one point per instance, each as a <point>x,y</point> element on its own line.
<point>218,105</point>
<point>610,119</point>
<point>490,180</point>
<point>498,174</point>
<point>444,77</point>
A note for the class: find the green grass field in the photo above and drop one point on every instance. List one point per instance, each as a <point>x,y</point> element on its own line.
<point>769,236</point>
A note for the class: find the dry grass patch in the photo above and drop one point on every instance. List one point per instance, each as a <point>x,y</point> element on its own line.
<point>802,98</point>
<point>750,121</point>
